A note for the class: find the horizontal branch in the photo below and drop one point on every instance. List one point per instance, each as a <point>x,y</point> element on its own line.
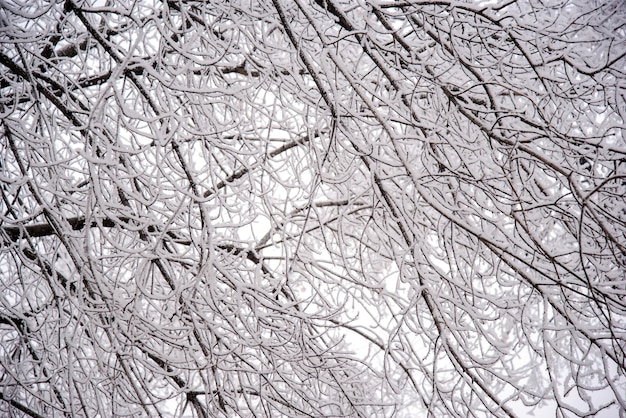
<point>45,229</point>
<point>238,174</point>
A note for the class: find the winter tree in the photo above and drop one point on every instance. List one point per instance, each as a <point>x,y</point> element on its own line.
<point>312,208</point>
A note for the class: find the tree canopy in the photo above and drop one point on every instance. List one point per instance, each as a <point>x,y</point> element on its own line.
<point>312,208</point>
